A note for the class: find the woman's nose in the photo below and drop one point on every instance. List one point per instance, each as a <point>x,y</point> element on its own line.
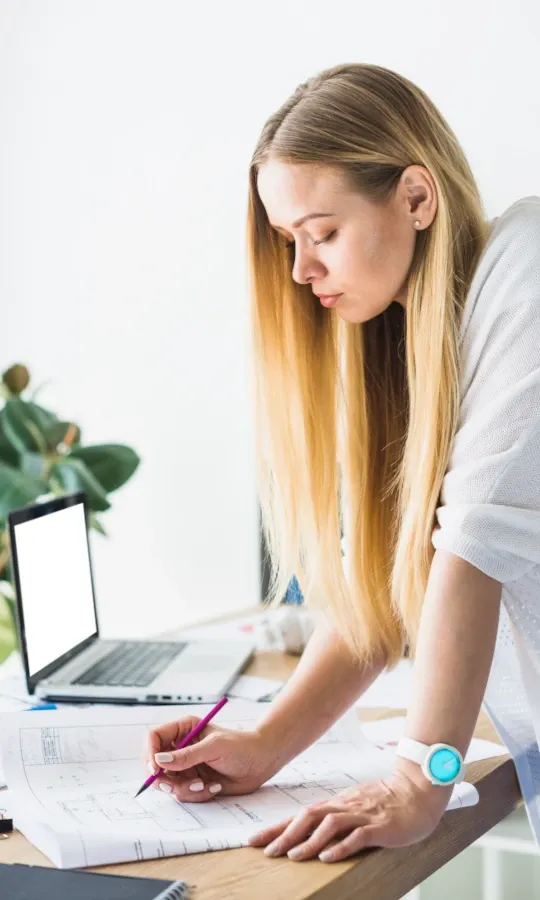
<point>306,269</point>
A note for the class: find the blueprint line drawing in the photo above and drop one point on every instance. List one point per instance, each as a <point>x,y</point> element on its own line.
<point>73,776</point>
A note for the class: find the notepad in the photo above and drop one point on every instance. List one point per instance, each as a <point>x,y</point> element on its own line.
<point>73,774</point>
<point>36,882</point>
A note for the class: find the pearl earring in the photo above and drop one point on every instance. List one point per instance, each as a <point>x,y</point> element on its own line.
<point>417,224</point>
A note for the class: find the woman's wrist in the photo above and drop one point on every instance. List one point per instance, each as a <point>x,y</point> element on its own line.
<point>274,748</point>
<point>435,795</point>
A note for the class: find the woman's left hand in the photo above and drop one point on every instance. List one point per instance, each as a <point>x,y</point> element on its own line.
<point>393,812</point>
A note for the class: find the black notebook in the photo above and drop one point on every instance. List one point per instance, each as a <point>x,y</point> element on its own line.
<point>20,882</point>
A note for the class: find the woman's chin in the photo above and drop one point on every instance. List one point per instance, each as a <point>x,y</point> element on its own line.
<point>357,316</point>
<point>353,316</point>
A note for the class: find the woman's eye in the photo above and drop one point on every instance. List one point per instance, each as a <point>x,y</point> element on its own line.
<point>322,241</point>
<point>327,238</point>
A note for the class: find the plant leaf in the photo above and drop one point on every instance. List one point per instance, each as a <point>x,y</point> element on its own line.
<point>74,476</point>
<point>111,464</point>
<point>17,489</point>
<point>33,464</point>
<point>8,453</point>
<point>24,424</point>
<point>43,417</point>
<point>8,634</point>
<point>95,523</point>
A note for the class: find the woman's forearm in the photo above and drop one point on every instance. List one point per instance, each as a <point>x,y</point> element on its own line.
<point>325,683</point>
<point>454,653</point>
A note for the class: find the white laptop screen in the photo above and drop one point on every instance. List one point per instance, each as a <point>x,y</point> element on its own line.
<point>56,584</point>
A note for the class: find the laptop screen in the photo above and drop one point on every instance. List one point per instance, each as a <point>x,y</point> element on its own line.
<point>55,584</point>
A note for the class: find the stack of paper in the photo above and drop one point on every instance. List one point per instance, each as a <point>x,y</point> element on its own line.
<point>73,775</point>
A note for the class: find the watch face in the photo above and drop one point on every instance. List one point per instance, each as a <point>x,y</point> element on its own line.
<point>444,765</point>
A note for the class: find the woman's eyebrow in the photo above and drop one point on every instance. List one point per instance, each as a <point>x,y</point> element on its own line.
<point>315,215</point>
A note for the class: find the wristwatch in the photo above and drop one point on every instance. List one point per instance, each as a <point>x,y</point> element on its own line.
<point>441,763</point>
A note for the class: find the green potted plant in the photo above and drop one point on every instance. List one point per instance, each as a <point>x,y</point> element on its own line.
<point>41,456</point>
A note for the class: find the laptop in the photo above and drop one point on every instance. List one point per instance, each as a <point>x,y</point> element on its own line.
<point>63,654</point>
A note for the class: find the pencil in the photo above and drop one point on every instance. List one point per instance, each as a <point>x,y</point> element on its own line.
<point>185,741</point>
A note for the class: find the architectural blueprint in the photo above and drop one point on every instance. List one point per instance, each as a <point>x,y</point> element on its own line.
<point>73,775</point>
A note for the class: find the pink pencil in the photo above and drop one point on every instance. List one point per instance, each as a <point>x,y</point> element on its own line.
<point>185,741</point>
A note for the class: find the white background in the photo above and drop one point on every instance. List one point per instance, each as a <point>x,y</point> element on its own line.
<point>126,129</point>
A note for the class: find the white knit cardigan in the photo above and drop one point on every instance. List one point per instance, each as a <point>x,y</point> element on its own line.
<point>490,497</point>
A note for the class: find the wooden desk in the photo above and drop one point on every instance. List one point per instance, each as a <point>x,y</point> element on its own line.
<point>379,874</point>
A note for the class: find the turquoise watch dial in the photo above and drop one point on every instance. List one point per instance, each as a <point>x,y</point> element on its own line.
<point>444,765</point>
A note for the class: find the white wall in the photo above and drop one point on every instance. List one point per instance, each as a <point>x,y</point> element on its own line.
<point>126,129</point>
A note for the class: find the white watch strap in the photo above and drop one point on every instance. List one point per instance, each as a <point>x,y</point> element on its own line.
<point>413,750</point>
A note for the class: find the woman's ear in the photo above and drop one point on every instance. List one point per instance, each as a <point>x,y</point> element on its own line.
<point>419,196</point>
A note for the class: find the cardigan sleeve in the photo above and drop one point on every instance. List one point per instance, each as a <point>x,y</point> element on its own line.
<point>489,512</point>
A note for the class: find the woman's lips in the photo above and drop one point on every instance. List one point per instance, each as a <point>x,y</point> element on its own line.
<point>330,300</point>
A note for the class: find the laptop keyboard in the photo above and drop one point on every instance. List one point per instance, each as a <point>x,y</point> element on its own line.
<point>131,664</point>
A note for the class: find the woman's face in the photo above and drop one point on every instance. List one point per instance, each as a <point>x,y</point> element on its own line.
<point>362,250</point>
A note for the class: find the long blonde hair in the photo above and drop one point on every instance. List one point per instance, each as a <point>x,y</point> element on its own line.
<point>355,422</point>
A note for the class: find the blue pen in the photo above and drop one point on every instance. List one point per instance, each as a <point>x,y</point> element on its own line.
<point>41,706</point>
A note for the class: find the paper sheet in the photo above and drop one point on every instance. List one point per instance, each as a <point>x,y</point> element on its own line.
<point>14,697</point>
<point>73,775</point>
<point>464,794</point>
<point>387,732</point>
<point>251,687</point>
<point>5,802</point>
<point>391,689</point>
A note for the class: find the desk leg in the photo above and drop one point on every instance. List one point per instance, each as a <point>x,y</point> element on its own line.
<point>492,874</point>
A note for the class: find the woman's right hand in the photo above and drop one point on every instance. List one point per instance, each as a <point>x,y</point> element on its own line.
<point>220,760</point>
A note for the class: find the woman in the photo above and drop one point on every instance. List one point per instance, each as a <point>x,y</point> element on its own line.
<point>405,411</point>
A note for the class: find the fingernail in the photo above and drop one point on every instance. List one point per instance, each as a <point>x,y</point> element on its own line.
<point>326,856</point>
<point>254,838</point>
<point>151,768</point>
<point>214,788</point>
<point>165,787</point>
<point>295,853</point>
<point>272,849</point>
<point>196,786</point>
<point>163,757</point>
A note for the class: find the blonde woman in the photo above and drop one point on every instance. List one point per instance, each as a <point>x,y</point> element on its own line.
<point>397,351</point>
